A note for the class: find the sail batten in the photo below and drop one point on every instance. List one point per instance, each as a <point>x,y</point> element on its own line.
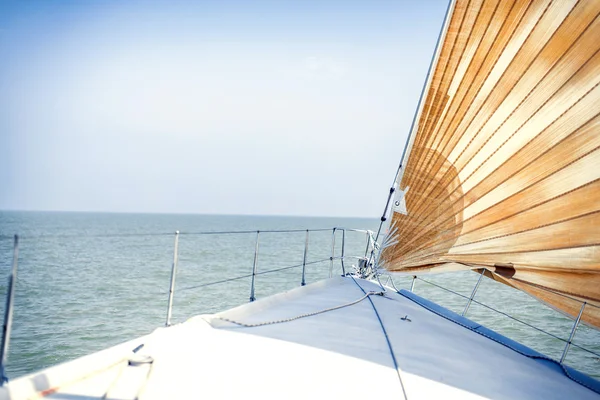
<point>504,168</point>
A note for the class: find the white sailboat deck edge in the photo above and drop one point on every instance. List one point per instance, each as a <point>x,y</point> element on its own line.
<point>336,342</point>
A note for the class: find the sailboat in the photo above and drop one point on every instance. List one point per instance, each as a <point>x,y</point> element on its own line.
<point>500,176</point>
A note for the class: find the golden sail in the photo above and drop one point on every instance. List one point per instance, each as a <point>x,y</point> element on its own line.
<point>502,169</point>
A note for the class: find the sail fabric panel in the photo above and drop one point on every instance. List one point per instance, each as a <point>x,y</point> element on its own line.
<point>504,169</point>
<point>499,221</point>
<point>579,141</point>
<point>571,205</point>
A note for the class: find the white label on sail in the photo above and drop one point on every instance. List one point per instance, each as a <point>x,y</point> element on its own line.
<point>400,201</point>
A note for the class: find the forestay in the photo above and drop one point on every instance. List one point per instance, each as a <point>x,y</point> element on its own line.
<point>505,163</point>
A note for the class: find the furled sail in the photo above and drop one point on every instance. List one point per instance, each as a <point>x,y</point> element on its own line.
<point>503,163</point>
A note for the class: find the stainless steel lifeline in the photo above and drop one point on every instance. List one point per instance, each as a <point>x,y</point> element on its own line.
<point>569,342</point>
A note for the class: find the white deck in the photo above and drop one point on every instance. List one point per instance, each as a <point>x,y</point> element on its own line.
<point>337,354</point>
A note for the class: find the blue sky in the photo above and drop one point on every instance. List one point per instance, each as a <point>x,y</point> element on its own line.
<point>228,107</point>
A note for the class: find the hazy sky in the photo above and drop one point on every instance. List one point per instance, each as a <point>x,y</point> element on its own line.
<point>230,107</point>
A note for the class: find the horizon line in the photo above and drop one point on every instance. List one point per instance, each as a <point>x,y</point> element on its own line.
<point>183,213</point>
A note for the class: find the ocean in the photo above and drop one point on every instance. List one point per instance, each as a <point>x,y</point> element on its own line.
<point>87,281</point>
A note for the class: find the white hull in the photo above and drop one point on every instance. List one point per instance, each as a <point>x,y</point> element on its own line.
<point>381,345</point>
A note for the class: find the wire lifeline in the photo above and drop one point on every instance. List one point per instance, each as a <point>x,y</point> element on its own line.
<point>245,325</point>
<point>387,339</point>
<point>546,289</point>
<point>532,356</point>
<point>147,234</point>
<point>493,309</point>
<point>249,275</point>
<point>509,316</point>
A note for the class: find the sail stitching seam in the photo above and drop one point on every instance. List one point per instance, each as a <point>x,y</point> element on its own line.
<point>549,125</point>
<point>566,294</point>
<point>431,121</point>
<point>554,121</point>
<point>439,132</point>
<point>532,184</point>
<point>458,257</point>
<point>487,75</point>
<point>437,185</point>
<point>511,176</point>
<point>515,132</point>
<point>425,114</point>
<point>528,119</point>
<point>492,90</point>
<point>530,229</point>
<point>424,256</point>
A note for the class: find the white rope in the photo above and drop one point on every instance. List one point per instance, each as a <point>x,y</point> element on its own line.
<point>299,316</point>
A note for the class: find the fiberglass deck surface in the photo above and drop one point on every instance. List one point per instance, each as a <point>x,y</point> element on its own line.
<point>342,353</point>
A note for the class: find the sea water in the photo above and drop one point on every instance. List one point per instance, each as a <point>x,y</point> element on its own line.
<point>87,281</point>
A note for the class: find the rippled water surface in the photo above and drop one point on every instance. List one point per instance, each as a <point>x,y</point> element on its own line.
<point>88,280</point>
